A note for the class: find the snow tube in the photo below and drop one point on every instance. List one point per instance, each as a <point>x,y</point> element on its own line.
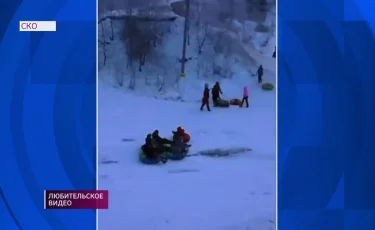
<point>267,86</point>
<point>146,159</point>
<point>222,103</point>
<point>235,101</point>
<point>176,157</point>
<point>186,137</point>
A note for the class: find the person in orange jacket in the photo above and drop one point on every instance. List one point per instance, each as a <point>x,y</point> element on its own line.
<point>180,131</point>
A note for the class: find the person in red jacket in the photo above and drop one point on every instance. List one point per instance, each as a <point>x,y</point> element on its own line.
<point>206,98</point>
<point>180,131</point>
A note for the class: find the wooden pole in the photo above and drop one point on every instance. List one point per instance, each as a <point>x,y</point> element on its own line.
<point>186,30</point>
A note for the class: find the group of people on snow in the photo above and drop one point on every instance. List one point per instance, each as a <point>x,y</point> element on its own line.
<point>155,145</point>
<point>216,92</point>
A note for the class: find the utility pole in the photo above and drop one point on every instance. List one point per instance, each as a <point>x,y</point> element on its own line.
<point>186,31</point>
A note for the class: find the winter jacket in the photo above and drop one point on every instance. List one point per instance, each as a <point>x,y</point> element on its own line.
<point>216,90</point>
<point>178,145</point>
<point>157,138</point>
<point>206,94</point>
<point>245,91</point>
<point>260,71</point>
<point>181,131</point>
<point>150,142</point>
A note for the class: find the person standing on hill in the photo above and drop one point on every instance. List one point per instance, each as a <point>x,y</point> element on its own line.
<point>206,97</point>
<point>216,91</point>
<point>260,74</point>
<point>245,97</point>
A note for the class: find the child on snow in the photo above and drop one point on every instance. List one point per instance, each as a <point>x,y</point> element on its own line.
<point>245,97</point>
<point>206,97</point>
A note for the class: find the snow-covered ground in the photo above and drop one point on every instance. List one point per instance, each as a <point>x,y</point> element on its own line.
<point>197,193</point>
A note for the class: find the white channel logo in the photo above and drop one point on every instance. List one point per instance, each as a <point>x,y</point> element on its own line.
<point>38,26</point>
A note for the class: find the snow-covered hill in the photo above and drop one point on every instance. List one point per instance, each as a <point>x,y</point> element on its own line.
<point>232,51</point>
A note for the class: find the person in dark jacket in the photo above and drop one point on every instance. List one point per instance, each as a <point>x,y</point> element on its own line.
<point>206,97</point>
<point>260,74</point>
<point>149,147</point>
<point>149,141</point>
<point>160,140</point>
<point>216,91</point>
<point>152,149</point>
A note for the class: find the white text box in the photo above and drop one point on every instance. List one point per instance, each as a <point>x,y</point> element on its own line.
<point>42,26</point>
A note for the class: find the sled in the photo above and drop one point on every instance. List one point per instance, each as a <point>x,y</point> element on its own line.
<point>222,103</point>
<point>143,158</point>
<point>267,86</point>
<point>177,157</point>
<point>235,101</point>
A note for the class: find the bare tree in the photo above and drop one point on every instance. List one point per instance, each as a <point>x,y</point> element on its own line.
<point>201,39</point>
<point>201,34</point>
<point>141,38</point>
<point>132,78</point>
<point>143,30</point>
<point>119,74</point>
<point>186,29</point>
<point>103,43</point>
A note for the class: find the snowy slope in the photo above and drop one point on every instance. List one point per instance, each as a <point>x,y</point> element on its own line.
<point>239,53</point>
<point>198,193</point>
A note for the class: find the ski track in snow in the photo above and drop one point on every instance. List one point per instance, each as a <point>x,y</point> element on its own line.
<point>197,193</point>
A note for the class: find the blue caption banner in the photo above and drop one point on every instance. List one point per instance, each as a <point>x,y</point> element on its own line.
<point>48,116</point>
<point>326,104</point>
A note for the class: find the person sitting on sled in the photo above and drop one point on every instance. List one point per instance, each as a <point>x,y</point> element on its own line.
<point>180,131</point>
<point>160,140</point>
<point>178,146</point>
<point>152,149</point>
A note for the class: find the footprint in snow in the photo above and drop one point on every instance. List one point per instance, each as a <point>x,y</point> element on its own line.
<point>108,162</point>
<point>182,171</point>
<point>127,139</point>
